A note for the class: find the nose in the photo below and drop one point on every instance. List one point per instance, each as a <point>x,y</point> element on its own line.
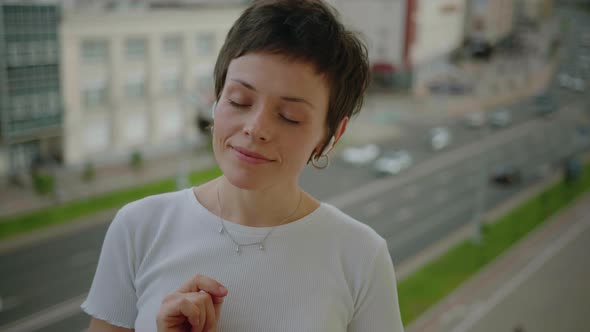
<point>258,124</point>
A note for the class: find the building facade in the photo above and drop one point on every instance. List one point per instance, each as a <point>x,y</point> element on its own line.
<point>437,30</point>
<point>490,21</point>
<point>31,109</point>
<point>381,24</point>
<point>136,80</point>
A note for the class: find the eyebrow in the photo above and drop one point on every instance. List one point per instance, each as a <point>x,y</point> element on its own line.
<point>286,98</point>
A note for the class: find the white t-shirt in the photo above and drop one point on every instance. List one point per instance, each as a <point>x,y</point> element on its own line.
<point>323,272</point>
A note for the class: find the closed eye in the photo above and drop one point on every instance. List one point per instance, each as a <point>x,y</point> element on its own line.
<point>288,120</point>
<point>234,104</point>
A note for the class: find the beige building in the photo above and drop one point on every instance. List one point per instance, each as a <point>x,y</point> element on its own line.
<point>381,24</point>
<point>491,20</point>
<point>439,30</point>
<point>134,80</point>
<point>536,10</point>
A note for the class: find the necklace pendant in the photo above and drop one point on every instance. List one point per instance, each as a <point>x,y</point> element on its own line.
<point>238,249</point>
<point>261,247</point>
<point>221,230</point>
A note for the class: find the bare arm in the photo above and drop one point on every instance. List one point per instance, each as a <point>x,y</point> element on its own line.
<point>97,325</point>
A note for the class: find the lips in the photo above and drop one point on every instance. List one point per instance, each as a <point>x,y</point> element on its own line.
<point>251,154</point>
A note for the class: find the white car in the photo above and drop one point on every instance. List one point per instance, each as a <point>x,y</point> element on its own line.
<point>393,163</point>
<point>440,138</point>
<point>360,156</point>
<point>570,82</point>
<point>475,119</point>
<point>578,84</point>
<point>501,118</point>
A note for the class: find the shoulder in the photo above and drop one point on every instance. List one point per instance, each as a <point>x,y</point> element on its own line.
<point>151,209</point>
<point>356,233</point>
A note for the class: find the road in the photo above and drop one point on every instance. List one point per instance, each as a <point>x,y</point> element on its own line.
<point>411,211</point>
<point>548,295</point>
<point>538,285</point>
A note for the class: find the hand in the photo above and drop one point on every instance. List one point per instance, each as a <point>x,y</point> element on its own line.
<point>194,307</point>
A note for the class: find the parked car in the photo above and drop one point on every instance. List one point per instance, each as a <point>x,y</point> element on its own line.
<point>450,87</point>
<point>500,118</point>
<point>440,138</point>
<point>393,163</point>
<point>360,156</point>
<point>571,82</point>
<point>544,104</point>
<point>475,119</point>
<point>506,174</point>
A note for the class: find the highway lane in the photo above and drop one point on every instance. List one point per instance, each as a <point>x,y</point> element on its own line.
<point>429,207</point>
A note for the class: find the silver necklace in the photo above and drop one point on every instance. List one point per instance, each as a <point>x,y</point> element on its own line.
<point>260,244</point>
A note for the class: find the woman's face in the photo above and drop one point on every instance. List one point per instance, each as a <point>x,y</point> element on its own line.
<point>269,119</point>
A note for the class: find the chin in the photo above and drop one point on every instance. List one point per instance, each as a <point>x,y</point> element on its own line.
<point>246,180</point>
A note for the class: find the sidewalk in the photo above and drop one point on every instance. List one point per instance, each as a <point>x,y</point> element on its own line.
<point>511,292</point>
<point>14,200</point>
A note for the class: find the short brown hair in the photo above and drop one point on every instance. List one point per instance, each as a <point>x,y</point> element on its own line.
<point>307,31</point>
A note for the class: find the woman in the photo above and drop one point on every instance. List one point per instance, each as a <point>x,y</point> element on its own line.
<point>250,250</point>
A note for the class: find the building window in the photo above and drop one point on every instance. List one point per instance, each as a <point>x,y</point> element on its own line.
<point>20,109</point>
<point>135,88</point>
<point>172,46</point>
<point>136,48</point>
<point>95,95</point>
<point>206,44</point>
<point>171,82</point>
<point>94,50</point>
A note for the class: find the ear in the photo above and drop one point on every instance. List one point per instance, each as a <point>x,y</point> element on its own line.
<point>213,110</point>
<point>341,129</point>
<point>336,137</point>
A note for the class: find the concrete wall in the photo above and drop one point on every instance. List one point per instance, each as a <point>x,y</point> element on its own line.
<point>491,20</point>
<point>439,29</point>
<point>158,121</point>
<point>381,23</point>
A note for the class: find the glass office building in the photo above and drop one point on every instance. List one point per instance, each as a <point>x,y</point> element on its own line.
<point>30,100</point>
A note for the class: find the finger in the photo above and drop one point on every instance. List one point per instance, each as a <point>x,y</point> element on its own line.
<point>200,300</point>
<point>210,320</point>
<point>202,312</point>
<point>200,282</point>
<point>217,304</point>
<point>191,311</point>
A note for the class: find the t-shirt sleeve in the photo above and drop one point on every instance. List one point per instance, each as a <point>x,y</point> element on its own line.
<point>377,306</point>
<point>112,296</point>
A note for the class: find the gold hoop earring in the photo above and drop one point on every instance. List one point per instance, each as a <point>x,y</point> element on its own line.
<point>315,162</point>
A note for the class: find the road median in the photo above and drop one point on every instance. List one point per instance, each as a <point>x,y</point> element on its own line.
<point>425,286</point>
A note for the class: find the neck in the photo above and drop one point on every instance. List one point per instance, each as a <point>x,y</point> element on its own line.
<point>259,208</point>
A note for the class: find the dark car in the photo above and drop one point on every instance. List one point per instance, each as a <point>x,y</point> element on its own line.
<point>506,175</point>
<point>545,104</point>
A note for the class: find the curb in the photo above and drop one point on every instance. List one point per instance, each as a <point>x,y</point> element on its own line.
<point>440,247</point>
<point>504,262</point>
<point>56,231</point>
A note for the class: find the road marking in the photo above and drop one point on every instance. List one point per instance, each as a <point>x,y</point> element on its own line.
<point>476,148</point>
<point>411,191</point>
<point>440,196</point>
<point>72,307</point>
<point>509,287</point>
<point>372,209</point>
<point>82,258</point>
<point>404,213</point>
<point>444,177</point>
<point>456,313</point>
<point>411,233</point>
<point>47,317</point>
<point>9,302</point>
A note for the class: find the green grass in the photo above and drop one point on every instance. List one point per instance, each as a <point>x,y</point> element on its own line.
<point>437,279</point>
<point>25,223</point>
